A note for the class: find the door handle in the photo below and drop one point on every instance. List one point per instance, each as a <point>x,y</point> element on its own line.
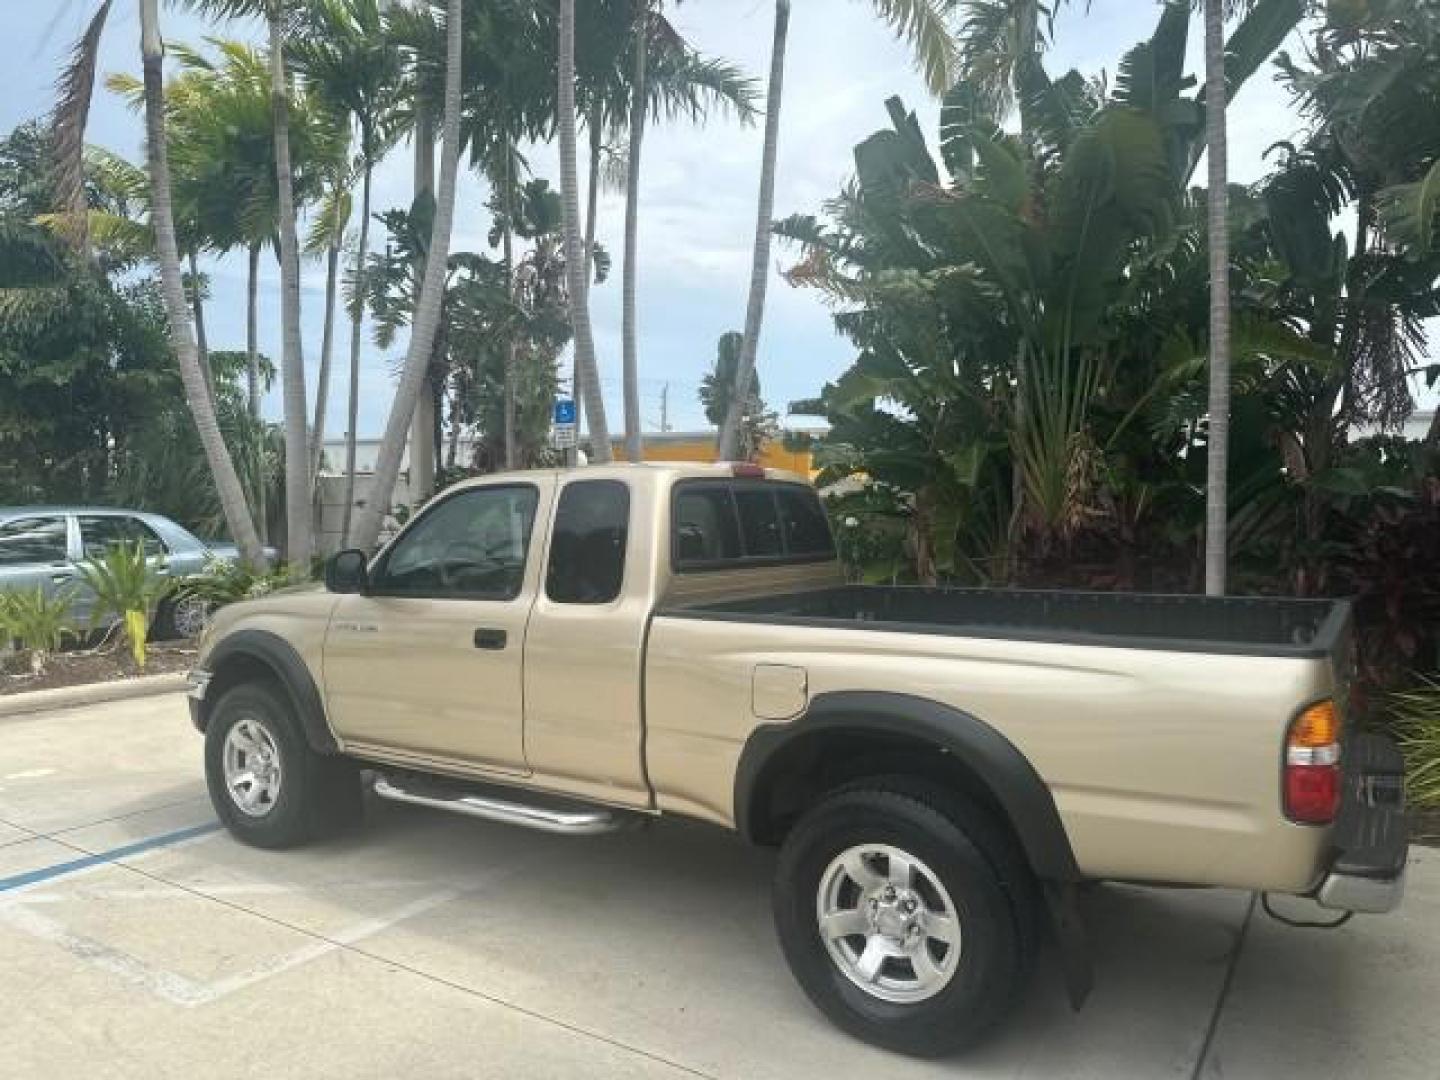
<point>490,637</point>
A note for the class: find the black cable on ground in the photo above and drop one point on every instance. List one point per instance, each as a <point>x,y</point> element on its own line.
<point>1304,924</point>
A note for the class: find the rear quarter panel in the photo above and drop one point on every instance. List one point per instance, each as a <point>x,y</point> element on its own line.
<point>1165,766</point>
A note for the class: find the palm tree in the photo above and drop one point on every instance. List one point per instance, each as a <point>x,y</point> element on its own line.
<point>351,65</point>
<point>922,24</point>
<point>327,236</point>
<point>576,258</point>
<point>428,303</point>
<point>299,520</point>
<point>1218,445</point>
<point>71,112</point>
<point>227,481</point>
<point>676,81</point>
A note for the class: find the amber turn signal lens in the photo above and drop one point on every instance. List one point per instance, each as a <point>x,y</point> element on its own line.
<point>1317,726</point>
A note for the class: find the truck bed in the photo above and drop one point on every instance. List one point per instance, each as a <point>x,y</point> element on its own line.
<point>1250,626</point>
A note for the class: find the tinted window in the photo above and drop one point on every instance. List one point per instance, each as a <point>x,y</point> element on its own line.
<point>100,534</point>
<point>32,540</point>
<point>759,522</point>
<point>704,524</point>
<point>716,522</point>
<point>472,544</point>
<point>587,551</point>
<point>802,522</point>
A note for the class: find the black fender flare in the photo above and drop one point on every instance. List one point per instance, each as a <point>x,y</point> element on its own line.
<point>289,670</point>
<point>1012,781</point>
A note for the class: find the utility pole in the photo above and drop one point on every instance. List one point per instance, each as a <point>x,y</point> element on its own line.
<point>665,408</point>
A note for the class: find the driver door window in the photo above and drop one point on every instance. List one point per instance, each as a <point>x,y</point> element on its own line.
<point>471,546</point>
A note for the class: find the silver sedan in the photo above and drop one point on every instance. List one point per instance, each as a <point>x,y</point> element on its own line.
<point>43,545</point>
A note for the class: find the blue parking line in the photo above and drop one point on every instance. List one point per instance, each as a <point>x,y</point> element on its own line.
<point>45,873</point>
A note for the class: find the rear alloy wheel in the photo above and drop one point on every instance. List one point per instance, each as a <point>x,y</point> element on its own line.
<point>904,915</point>
<point>888,923</point>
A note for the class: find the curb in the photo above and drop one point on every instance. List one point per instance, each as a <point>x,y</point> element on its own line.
<point>69,697</point>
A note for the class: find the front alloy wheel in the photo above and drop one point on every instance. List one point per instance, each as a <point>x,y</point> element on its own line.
<point>253,772</point>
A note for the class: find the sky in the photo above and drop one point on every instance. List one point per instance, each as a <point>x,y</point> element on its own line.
<point>697,194</point>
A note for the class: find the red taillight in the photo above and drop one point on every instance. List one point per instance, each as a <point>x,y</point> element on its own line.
<point>745,468</point>
<point>1312,766</point>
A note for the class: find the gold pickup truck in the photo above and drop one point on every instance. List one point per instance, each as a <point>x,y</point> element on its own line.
<point>941,769</point>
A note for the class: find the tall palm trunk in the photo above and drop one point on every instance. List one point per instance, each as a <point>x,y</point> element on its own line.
<point>508,239</point>
<point>587,374</point>
<point>357,319</point>
<point>1216,486</point>
<point>422,440</point>
<point>634,448</point>
<point>202,409</point>
<point>197,306</point>
<point>327,345</point>
<point>428,304</point>
<point>592,194</point>
<point>299,522</point>
<point>729,441</point>
<point>252,332</point>
<point>252,379</point>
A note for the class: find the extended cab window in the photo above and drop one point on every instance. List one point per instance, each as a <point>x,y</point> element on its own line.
<point>727,523</point>
<point>472,545</point>
<point>587,550</point>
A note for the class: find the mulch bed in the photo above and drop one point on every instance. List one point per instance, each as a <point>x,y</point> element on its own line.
<point>92,666</point>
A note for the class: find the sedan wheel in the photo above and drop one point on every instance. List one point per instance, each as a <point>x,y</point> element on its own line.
<point>189,616</point>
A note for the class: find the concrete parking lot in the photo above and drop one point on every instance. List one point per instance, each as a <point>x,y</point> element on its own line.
<point>138,940</point>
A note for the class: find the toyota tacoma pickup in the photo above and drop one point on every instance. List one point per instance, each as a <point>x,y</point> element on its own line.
<point>580,651</point>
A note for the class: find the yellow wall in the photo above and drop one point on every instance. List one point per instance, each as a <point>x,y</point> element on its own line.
<point>702,448</point>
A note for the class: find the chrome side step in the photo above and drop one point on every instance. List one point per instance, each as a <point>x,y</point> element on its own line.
<point>546,813</point>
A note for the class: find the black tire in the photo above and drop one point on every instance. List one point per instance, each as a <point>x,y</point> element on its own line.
<point>317,794</point>
<point>973,858</point>
<point>166,627</point>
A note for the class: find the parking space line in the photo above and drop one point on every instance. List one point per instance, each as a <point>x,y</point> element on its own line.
<point>350,939</point>
<point>45,873</point>
<point>1202,1058</point>
<point>55,834</point>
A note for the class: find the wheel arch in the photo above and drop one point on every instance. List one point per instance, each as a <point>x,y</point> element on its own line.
<point>850,734</point>
<point>248,655</point>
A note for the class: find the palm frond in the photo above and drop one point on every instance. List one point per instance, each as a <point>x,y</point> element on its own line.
<point>1411,212</point>
<point>924,26</point>
<point>72,112</point>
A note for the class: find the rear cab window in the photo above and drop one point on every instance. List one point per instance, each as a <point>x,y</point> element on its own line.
<point>729,524</point>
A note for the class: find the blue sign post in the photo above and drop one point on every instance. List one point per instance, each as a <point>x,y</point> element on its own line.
<point>566,426</point>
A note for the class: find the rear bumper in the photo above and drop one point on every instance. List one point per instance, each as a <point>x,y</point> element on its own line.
<point>1370,843</point>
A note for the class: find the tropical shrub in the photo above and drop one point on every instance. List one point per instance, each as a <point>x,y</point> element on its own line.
<point>127,589</point>
<point>223,583</point>
<point>40,623</point>
<point>1415,717</point>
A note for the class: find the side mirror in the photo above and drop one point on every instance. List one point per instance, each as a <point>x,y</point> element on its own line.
<point>346,572</point>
